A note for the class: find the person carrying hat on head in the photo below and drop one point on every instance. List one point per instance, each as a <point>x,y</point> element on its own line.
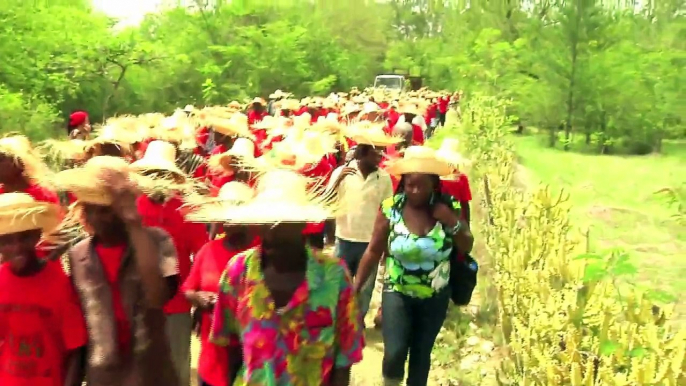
<point>286,311</point>
<point>163,209</point>
<point>42,329</point>
<point>417,230</point>
<point>124,274</point>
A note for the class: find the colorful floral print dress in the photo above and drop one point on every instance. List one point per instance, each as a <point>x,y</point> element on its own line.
<point>415,263</point>
<point>300,344</point>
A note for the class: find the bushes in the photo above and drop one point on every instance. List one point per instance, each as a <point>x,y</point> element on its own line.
<point>567,318</point>
<point>27,115</point>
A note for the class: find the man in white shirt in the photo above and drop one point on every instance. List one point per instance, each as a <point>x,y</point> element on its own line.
<point>361,187</point>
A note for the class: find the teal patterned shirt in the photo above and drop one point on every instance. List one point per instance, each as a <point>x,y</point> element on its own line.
<point>412,259</point>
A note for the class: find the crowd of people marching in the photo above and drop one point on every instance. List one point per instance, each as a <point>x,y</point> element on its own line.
<point>122,241</point>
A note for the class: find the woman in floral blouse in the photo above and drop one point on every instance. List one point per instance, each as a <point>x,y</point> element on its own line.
<point>419,226</point>
<point>286,311</point>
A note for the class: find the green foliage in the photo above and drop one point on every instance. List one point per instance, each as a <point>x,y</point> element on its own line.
<point>609,74</point>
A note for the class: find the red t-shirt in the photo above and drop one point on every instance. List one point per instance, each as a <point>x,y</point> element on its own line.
<point>254,116</point>
<point>457,188</point>
<point>322,170</point>
<point>392,116</point>
<point>417,135</point>
<point>443,103</point>
<point>302,110</point>
<point>188,238</point>
<point>208,266</point>
<point>111,260</point>
<point>40,322</point>
<point>221,148</point>
<point>39,193</point>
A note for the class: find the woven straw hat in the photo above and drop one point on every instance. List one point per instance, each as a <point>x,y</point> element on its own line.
<point>19,212</point>
<point>237,125</point>
<point>449,152</point>
<point>84,182</point>
<point>218,209</point>
<point>268,122</point>
<point>19,148</point>
<point>289,104</point>
<point>368,133</point>
<point>259,100</point>
<point>419,159</point>
<point>279,94</point>
<point>242,148</point>
<point>282,196</point>
<point>159,156</point>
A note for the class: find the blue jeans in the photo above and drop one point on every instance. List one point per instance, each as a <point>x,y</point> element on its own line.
<point>351,252</point>
<point>410,326</point>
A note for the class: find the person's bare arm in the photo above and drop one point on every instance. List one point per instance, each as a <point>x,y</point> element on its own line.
<point>375,249</point>
<point>147,251</point>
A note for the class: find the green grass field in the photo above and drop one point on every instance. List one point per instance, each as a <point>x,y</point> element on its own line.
<point>613,196</point>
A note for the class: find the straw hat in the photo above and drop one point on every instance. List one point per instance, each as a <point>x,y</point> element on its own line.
<point>217,209</point>
<point>289,104</point>
<point>419,159</point>
<point>368,133</point>
<point>242,148</point>
<point>235,106</point>
<point>268,122</point>
<point>159,156</point>
<point>279,94</point>
<point>409,109</point>
<point>282,196</point>
<point>259,100</point>
<point>84,182</point>
<point>18,147</point>
<point>350,108</point>
<point>449,152</point>
<point>19,212</point>
<point>237,125</point>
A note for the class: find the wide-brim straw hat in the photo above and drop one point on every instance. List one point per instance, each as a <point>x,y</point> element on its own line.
<point>282,196</point>
<point>114,135</point>
<point>218,209</point>
<point>258,100</point>
<point>409,109</point>
<point>19,148</point>
<point>19,212</point>
<point>368,133</point>
<point>237,125</point>
<point>279,94</point>
<point>160,156</point>
<point>449,152</point>
<point>289,104</point>
<point>242,149</point>
<point>268,122</point>
<point>86,184</point>
<point>419,159</point>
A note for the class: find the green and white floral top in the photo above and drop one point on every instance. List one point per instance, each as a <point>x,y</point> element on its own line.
<point>415,266</point>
